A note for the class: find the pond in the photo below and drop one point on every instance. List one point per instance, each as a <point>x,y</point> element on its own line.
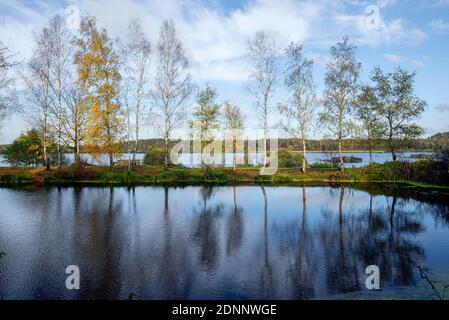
<point>193,160</point>
<point>245,242</point>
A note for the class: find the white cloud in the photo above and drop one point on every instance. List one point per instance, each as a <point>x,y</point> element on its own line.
<point>439,25</point>
<point>442,107</point>
<point>392,57</point>
<point>417,64</point>
<point>216,38</point>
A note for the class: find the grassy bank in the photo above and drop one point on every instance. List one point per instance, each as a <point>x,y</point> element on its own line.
<point>420,174</point>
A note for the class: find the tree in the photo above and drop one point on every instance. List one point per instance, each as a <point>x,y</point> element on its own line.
<point>137,56</point>
<point>38,91</point>
<point>234,123</point>
<point>98,70</point>
<point>397,105</point>
<point>367,113</point>
<point>340,94</point>
<point>173,84</point>
<point>263,57</point>
<point>75,120</point>
<point>59,41</point>
<point>27,150</point>
<point>6,80</point>
<point>299,111</point>
<point>205,123</point>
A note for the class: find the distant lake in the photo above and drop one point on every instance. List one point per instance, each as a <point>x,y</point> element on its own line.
<point>242,242</point>
<point>192,160</point>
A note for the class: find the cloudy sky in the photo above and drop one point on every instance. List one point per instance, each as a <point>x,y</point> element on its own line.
<point>413,34</point>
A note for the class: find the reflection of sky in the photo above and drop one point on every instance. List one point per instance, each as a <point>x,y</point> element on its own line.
<point>122,237</point>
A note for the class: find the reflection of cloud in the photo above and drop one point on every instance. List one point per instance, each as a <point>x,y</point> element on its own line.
<point>442,107</point>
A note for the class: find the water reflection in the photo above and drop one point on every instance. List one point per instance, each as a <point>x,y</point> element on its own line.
<point>217,242</point>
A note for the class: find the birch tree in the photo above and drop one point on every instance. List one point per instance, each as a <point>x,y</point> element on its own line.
<point>367,113</point>
<point>300,109</point>
<point>37,92</point>
<point>74,120</point>
<point>340,94</point>
<point>263,57</point>
<point>234,123</point>
<point>205,123</point>
<point>137,56</point>
<point>59,42</point>
<point>173,84</point>
<point>6,80</point>
<point>398,106</point>
<point>98,69</point>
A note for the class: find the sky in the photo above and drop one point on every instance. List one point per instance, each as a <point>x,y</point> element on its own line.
<point>413,34</point>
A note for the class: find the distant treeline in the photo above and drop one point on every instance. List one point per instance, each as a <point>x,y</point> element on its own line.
<point>327,145</point>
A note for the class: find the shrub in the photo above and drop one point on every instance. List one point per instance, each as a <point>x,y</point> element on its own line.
<point>216,176</point>
<point>289,159</point>
<point>262,178</point>
<point>127,178</point>
<point>324,165</point>
<point>15,179</point>
<point>154,156</point>
<point>281,177</point>
<point>28,150</point>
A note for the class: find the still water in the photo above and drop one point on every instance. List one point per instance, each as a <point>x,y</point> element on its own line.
<point>244,242</point>
<point>194,159</point>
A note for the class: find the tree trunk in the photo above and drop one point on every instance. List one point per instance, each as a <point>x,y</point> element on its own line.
<point>111,161</point>
<point>303,169</point>
<point>166,153</point>
<point>340,154</point>
<point>393,154</point>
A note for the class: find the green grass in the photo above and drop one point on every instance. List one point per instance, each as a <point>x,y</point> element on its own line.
<point>15,179</point>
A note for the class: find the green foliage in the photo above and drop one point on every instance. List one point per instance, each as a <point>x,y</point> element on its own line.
<point>216,176</point>
<point>14,179</point>
<point>205,124</point>
<point>289,159</point>
<point>126,178</point>
<point>28,150</point>
<point>262,178</point>
<point>154,156</point>
<point>324,165</point>
<point>426,171</point>
<point>393,98</point>
<point>282,178</point>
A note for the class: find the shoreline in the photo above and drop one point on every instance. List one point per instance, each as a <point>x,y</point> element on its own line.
<point>156,176</point>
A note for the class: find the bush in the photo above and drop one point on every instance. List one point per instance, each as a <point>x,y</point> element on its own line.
<point>324,165</point>
<point>154,156</point>
<point>15,179</point>
<point>282,178</point>
<point>127,178</point>
<point>216,176</point>
<point>289,159</point>
<point>262,178</point>
<point>28,150</point>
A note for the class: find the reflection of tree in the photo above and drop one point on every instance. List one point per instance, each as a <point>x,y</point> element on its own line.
<point>302,272</point>
<point>235,227</point>
<point>205,233</point>
<point>104,247</point>
<point>174,272</point>
<point>342,272</point>
<point>266,279</point>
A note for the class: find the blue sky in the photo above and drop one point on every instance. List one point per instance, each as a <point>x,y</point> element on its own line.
<point>413,34</point>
